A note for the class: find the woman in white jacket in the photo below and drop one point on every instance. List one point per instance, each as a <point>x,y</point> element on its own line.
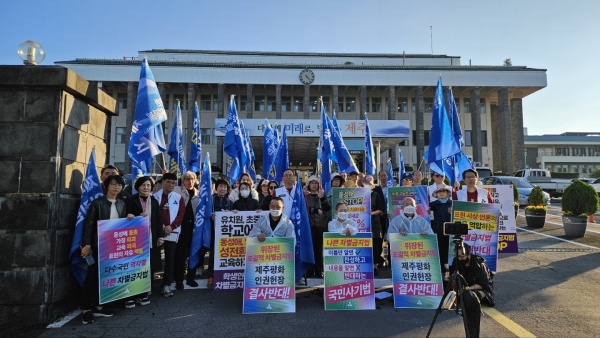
<point>234,195</point>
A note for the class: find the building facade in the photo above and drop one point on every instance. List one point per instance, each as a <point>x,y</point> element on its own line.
<point>282,86</point>
<point>567,152</point>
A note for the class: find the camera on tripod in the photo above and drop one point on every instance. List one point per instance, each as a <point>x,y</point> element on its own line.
<point>456,228</point>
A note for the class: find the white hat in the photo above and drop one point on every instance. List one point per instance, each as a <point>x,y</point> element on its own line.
<point>440,188</point>
<point>312,178</point>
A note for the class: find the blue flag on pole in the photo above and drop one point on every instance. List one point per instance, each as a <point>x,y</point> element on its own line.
<point>305,257</point>
<point>204,210</point>
<point>177,162</point>
<point>442,142</point>
<point>335,124</point>
<point>325,151</point>
<point>147,139</point>
<point>282,160</point>
<point>401,169</point>
<point>196,145</point>
<point>268,149</point>
<point>234,142</point>
<point>249,167</point>
<point>91,190</point>
<point>390,173</point>
<point>345,161</point>
<point>454,121</point>
<point>370,164</point>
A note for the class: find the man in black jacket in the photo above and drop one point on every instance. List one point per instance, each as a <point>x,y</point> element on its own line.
<point>478,288</point>
<point>317,206</point>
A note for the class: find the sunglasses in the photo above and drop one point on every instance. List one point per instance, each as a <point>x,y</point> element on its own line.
<point>272,187</point>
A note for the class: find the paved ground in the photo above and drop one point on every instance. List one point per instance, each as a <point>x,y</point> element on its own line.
<point>548,289</point>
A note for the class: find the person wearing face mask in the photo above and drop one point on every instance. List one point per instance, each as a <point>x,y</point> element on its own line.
<point>479,288</point>
<point>316,205</point>
<point>442,208</point>
<point>342,224</point>
<point>275,224</point>
<point>220,202</point>
<point>337,181</point>
<point>245,202</point>
<point>235,193</point>
<point>142,204</point>
<point>408,222</point>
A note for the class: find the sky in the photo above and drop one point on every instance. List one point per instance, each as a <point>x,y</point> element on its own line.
<point>560,36</point>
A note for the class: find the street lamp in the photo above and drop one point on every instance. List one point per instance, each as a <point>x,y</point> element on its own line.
<point>31,53</point>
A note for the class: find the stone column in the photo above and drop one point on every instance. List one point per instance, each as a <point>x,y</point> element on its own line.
<point>249,101</point>
<point>131,100</point>
<point>475,110</point>
<point>363,102</point>
<point>392,104</point>
<point>306,102</point>
<point>278,101</point>
<point>516,117</point>
<point>220,114</point>
<point>335,99</point>
<point>51,120</point>
<point>190,117</point>
<point>496,144</point>
<point>505,134</point>
<point>419,121</point>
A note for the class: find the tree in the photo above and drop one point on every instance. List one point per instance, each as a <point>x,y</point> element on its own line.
<point>508,62</point>
<point>595,173</point>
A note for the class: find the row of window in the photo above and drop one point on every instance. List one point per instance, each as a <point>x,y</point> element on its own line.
<point>207,135</point>
<point>580,151</point>
<point>346,104</point>
<point>466,138</point>
<point>573,168</point>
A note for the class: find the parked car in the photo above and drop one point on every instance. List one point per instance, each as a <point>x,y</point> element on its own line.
<point>542,178</point>
<point>523,186</point>
<point>586,180</point>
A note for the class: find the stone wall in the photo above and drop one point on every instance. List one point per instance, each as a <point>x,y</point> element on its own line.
<point>50,119</point>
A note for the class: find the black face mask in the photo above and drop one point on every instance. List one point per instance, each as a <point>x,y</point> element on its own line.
<point>463,264</point>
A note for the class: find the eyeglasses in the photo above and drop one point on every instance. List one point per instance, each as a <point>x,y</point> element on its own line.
<point>288,176</point>
<point>406,179</point>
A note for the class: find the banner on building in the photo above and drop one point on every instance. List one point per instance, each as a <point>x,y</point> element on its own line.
<point>507,225</point>
<point>123,258</point>
<point>397,195</point>
<point>269,276</point>
<point>416,271</point>
<point>312,128</point>
<point>348,265</point>
<point>483,229</point>
<point>231,230</point>
<point>359,205</point>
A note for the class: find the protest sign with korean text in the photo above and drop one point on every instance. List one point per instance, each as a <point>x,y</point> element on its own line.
<point>358,201</point>
<point>269,276</point>
<point>507,226</point>
<point>231,230</point>
<point>348,265</point>
<point>123,258</point>
<point>416,271</point>
<point>397,195</point>
<point>482,219</point>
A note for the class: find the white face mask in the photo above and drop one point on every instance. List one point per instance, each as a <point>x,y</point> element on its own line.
<point>342,215</point>
<point>245,193</point>
<point>276,213</point>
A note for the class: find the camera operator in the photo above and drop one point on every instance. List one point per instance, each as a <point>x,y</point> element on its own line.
<point>477,289</point>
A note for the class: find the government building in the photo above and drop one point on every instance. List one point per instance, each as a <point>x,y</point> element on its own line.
<point>395,91</point>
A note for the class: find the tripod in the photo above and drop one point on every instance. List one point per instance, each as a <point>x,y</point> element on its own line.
<point>457,280</point>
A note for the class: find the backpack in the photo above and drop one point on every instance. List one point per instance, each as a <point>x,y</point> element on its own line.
<point>490,294</point>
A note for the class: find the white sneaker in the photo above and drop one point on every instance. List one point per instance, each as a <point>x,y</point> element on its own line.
<point>166,291</point>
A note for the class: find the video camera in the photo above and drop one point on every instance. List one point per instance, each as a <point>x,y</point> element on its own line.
<point>456,228</point>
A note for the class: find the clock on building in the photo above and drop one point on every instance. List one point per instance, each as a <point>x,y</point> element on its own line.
<point>307,76</point>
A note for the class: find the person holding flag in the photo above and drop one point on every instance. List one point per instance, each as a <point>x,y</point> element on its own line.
<point>147,139</point>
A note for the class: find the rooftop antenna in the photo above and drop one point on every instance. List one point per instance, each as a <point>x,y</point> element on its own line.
<point>431,38</point>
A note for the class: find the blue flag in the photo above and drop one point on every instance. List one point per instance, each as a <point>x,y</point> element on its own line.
<point>325,151</point>
<point>345,161</point>
<point>442,142</point>
<point>370,164</point>
<point>282,160</point>
<point>147,139</point>
<point>234,142</point>
<point>401,169</point>
<point>335,124</point>
<point>249,166</point>
<point>461,163</point>
<point>177,162</point>
<point>196,145</point>
<point>140,168</point>
<point>204,210</point>
<point>454,121</point>
<point>268,149</point>
<point>444,167</point>
<point>91,190</point>
<point>305,257</point>
<point>390,172</point>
